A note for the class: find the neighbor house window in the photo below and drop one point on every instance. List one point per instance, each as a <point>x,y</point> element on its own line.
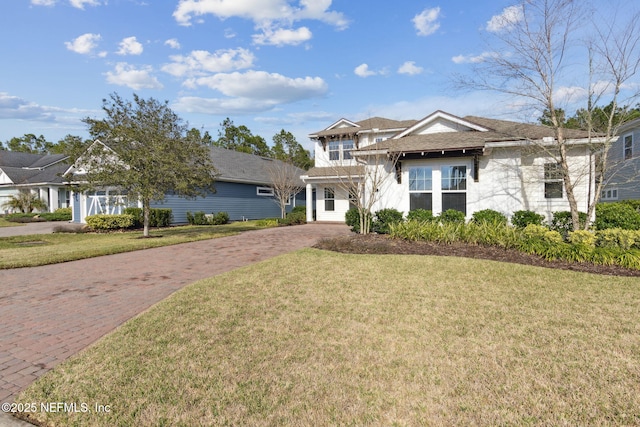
<point>420,188</point>
<point>454,188</point>
<point>329,199</point>
<point>628,147</point>
<point>609,194</point>
<point>264,191</point>
<point>552,181</point>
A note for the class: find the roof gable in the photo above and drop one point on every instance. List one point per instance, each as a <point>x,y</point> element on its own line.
<point>440,122</point>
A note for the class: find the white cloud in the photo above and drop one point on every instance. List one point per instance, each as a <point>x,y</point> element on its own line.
<point>128,75</point>
<point>363,70</point>
<point>262,87</point>
<point>13,107</point>
<point>506,20</point>
<point>130,46</point>
<point>473,59</point>
<point>227,106</point>
<point>81,3</point>
<point>410,68</point>
<point>172,43</point>
<point>84,44</point>
<point>261,12</point>
<point>199,62</point>
<point>426,21</point>
<point>281,37</point>
<point>43,2</point>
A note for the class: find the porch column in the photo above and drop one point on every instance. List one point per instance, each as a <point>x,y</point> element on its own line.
<point>53,198</point>
<point>309,202</point>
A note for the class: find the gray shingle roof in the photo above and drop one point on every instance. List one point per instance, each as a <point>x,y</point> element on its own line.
<point>234,166</point>
<point>27,168</point>
<point>380,123</point>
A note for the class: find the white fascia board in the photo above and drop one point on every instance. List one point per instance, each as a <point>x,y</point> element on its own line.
<point>541,142</point>
<point>343,120</point>
<point>440,115</point>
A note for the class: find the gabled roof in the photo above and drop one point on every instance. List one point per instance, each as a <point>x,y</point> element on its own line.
<point>350,128</point>
<point>28,168</point>
<point>440,116</point>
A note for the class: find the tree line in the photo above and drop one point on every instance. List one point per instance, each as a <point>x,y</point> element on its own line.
<point>285,147</point>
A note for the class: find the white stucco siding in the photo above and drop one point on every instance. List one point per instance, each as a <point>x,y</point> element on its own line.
<point>340,203</point>
<point>507,182</point>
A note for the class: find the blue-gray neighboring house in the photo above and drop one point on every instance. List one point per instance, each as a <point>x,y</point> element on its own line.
<point>243,190</point>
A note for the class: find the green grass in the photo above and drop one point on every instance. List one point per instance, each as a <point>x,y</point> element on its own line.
<point>42,249</point>
<point>319,338</point>
<point>5,223</point>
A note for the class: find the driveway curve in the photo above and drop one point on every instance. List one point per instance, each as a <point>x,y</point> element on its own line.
<point>51,312</point>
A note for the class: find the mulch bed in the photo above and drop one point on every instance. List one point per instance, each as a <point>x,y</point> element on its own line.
<point>383,244</point>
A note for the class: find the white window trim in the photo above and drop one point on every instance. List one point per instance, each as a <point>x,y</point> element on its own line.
<point>624,146</point>
<point>613,194</point>
<point>264,191</point>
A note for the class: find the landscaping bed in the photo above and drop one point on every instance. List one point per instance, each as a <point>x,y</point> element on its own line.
<point>383,244</point>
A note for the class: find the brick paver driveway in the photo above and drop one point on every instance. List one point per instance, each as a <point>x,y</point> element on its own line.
<point>49,313</point>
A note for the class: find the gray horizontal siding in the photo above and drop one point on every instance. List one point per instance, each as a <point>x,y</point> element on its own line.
<point>624,175</point>
<point>240,201</point>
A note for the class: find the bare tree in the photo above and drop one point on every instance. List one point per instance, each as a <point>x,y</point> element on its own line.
<point>535,52</point>
<point>285,183</point>
<point>366,181</point>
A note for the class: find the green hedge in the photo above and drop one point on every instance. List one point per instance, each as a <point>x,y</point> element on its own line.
<point>617,215</point>
<point>158,217</point>
<point>201,218</point>
<point>104,222</point>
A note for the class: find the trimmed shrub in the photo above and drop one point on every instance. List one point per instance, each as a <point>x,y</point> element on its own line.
<point>352,219</point>
<point>384,218</point>
<point>521,219</point>
<point>616,215</point>
<point>104,222</point>
<point>562,223</point>
<point>158,217</point>
<point>542,233</point>
<point>616,238</point>
<point>201,218</point>
<point>294,218</point>
<point>219,218</point>
<point>421,215</point>
<point>452,216</point>
<point>297,209</point>
<point>489,216</point>
<point>582,238</point>
<point>268,222</point>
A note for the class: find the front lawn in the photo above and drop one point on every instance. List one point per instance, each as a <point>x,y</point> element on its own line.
<point>5,223</point>
<point>320,338</point>
<point>41,249</point>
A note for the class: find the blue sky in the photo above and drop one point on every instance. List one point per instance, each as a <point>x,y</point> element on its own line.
<point>267,64</point>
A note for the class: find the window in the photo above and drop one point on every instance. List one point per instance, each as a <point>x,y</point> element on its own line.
<point>454,188</point>
<point>347,146</point>
<point>420,188</point>
<point>552,181</point>
<point>628,147</point>
<point>334,150</point>
<point>329,199</point>
<point>609,194</point>
<point>264,191</point>
<point>340,150</point>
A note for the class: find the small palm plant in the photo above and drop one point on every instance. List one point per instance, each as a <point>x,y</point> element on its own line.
<point>25,202</point>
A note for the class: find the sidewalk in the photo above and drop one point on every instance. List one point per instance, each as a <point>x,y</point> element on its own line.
<point>51,312</point>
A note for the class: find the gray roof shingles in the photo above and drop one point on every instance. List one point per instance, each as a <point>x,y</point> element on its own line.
<point>27,168</point>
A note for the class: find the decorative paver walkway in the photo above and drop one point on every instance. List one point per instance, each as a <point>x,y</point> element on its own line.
<point>51,312</point>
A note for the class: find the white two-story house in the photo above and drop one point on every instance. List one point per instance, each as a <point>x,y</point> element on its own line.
<point>447,162</point>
